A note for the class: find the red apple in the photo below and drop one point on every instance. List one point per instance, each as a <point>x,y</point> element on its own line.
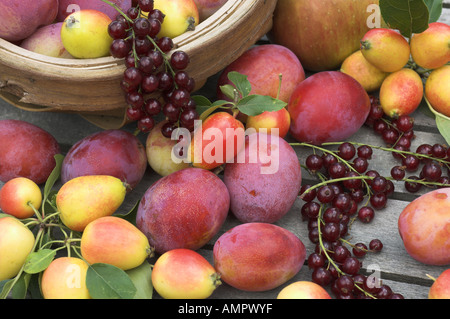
<point>440,289</point>
<point>217,141</point>
<point>67,7</point>
<point>321,33</point>
<point>329,106</point>
<point>17,196</point>
<point>276,122</point>
<point>19,19</point>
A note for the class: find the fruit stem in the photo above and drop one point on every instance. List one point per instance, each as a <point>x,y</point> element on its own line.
<point>431,277</point>
<point>118,10</point>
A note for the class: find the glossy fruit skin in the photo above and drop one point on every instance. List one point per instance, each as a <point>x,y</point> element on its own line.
<point>436,90</point>
<point>303,290</point>
<point>440,289</point>
<point>210,152</point>
<point>362,71</point>
<point>65,278</point>
<point>430,49</point>
<point>424,228</point>
<point>19,139</point>
<point>340,111</point>
<point>180,16</point>
<point>185,209</point>
<point>309,29</point>
<point>111,152</point>
<point>258,256</point>
<point>17,194</point>
<point>115,241</point>
<point>184,274</point>
<point>16,242</point>
<point>401,93</point>
<point>263,191</point>
<point>386,49</point>
<point>276,122</point>
<point>86,198</point>
<point>85,34</point>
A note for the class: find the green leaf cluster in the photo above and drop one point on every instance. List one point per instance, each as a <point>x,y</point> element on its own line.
<point>54,240</point>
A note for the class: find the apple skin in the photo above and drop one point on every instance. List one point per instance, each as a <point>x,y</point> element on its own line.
<point>424,228</point>
<point>19,139</point>
<point>262,65</point>
<point>436,90</point>
<point>180,16</point>
<point>207,8</point>
<point>328,106</point>
<point>401,93</point>
<point>430,49</point>
<point>185,209</point>
<point>267,120</point>
<point>369,76</point>
<point>303,290</point>
<point>16,242</point>
<point>47,41</point>
<point>321,33</point>
<point>65,278</point>
<point>17,194</point>
<point>258,256</point>
<point>65,6</point>
<point>85,34</point>
<point>386,49</point>
<point>20,19</point>
<point>184,274</point>
<point>440,289</point>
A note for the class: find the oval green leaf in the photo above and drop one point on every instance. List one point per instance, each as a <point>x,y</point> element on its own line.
<point>141,276</point>
<point>39,260</point>
<point>408,17</point>
<point>106,281</point>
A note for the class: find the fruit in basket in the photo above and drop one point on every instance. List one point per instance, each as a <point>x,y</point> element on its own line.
<point>184,274</point>
<point>19,139</point>
<point>67,7</point>
<point>401,93</point>
<point>258,256</point>
<point>303,290</point>
<point>430,49</point>
<point>180,16</point>
<point>159,152</point>
<point>85,35</point>
<point>183,210</point>
<point>423,227</point>
<point>217,141</point>
<point>16,242</point>
<point>207,8</point>
<point>386,49</point>
<point>17,196</point>
<point>20,19</point>
<point>440,289</point>
<point>264,180</point>
<point>321,33</point>
<point>436,89</point>
<point>111,152</point>
<point>263,66</point>
<point>369,76</point>
<point>65,278</point>
<point>115,241</point>
<point>47,41</point>
<point>276,122</point>
<point>328,106</point>
<point>86,198</point>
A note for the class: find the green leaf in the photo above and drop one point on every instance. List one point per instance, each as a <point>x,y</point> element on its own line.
<point>241,82</point>
<point>256,104</point>
<point>39,260</point>
<point>407,16</point>
<point>202,103</point>
<point>5,288</point>
<point>106,281</point>
<point>435,9</point>
<point>442,122</point>
<point>54,175</point>
<point>216,105</point>
<point>20,288</point>
<point>141,276</point>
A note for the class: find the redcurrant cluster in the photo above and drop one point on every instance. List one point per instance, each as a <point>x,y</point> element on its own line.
<point>428,166</point>
<point>155,79</point>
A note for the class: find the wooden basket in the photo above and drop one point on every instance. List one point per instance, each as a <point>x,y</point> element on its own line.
<point>91,87</point>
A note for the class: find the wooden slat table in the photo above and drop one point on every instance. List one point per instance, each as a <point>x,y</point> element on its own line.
<point>396,268</point>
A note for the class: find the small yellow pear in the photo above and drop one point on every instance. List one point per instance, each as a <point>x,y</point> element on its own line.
<point>115,241</point>
<point>86,198</point>
<point>180,16</point>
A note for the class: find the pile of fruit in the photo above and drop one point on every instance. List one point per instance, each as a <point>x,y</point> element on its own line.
<point>235,155</point>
